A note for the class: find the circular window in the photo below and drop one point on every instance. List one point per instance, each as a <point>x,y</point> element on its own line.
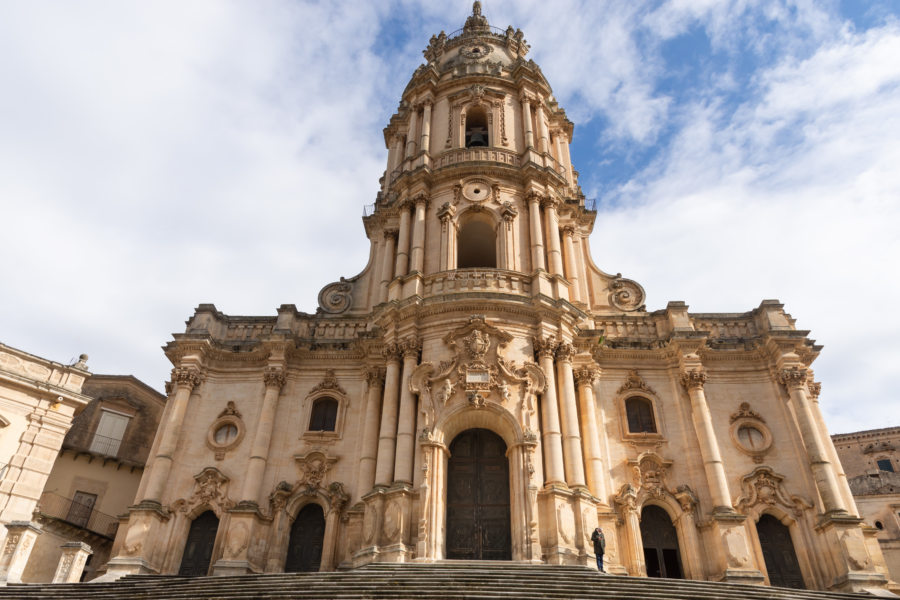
<point>477,190</point>
<point>752,437</point>
<point>879,525</point>
<point>226,434</point>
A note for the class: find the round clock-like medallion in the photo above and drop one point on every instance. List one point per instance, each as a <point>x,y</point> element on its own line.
<point>476,50</point>
<point>477,190</point>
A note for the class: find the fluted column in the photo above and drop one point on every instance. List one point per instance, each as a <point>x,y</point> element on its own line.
<point>794,379</point>
<point>554,255</point>
<point>185,380</point>
<point>543,139</point>
<point>426,125</point>
<point>551,436</point>
<point>401,266</point>
<point>568,408</point>
<point>507,236</point>
<point>387,264</point>
<point>571,265</point>
<point>387,434</point>
<point>418,236</point>
<point>411,132</point>
<point>262,437</point>
<point>369,451</point>
<point>693,380</point>
<point>445,215</point>
<point>537,235</point>
<point>590,436</point>
<point>526,122</point>
<point>406,424</point>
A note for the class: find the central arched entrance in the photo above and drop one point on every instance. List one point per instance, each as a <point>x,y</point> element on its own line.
<point>198,548</point>
<point>306,541</point>
<point>478,497</point>
<point>778,553</point>
<point>660,543</point>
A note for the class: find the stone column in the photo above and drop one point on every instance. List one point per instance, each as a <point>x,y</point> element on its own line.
<point>571,265</point>
<point>693,380</point>
<point>543,141</point>
<point>387,436</point>
<point>185,379</point>
<point>557,142</point>
<point>445,214</point>
<point>551,435</point>
<point>844,486</point>
<point>71,562</point>
<point>794,379</point>
<point>20,538</point>
<point>406,424</point>
<point>554,255</point>
<point>426,126</point>
<point>580,252</point>
<point>526,121</point>
<point>418,237</point>
<point>508,238</point>
<point>401,267</point>
<point>590,436</point>
<point>387,264</point>
<point>411,132</point>
<point>574,461</point>
<point>634,560</point>
<point>262,437</point>
<point>537,236</point>
<point>365,479</point>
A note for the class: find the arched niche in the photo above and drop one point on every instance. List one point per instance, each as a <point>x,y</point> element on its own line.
<point>476,240</point>
<point>476,128</point>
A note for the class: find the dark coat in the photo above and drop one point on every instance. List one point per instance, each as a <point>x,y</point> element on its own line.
<point>599,541</point>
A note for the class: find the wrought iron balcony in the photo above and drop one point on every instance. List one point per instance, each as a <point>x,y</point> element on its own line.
<point>60,508</point>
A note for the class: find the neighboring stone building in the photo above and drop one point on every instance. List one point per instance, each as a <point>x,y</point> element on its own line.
<point>38,399</point>
<point>871,460</point>
<point>482,390</point>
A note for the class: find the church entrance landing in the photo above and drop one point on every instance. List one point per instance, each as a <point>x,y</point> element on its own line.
<point>478,497</point>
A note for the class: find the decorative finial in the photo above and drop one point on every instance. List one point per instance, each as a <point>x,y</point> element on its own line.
<point>477,23</point>
<point>476,8</point>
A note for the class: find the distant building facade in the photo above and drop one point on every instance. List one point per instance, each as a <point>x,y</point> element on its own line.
<point>871,460</point>
<point>482,390</point>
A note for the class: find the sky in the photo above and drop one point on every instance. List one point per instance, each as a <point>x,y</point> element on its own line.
<point>159,155</point>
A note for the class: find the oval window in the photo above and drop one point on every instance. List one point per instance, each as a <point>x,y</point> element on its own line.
<point>226,434</point>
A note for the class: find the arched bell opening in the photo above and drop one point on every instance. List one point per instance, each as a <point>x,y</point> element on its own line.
<point>660,541</point>
<point>198,549</point>
<point>306,541</point>
<point>478,498</point>
<point>778,553</point>
<point>477,128</point>
<point>477,242</point>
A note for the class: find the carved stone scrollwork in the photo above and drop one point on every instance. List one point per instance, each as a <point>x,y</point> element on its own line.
<point>446,212</point>
<point>210,490</point>
<point>694,378</point>
<point>793,377</point>
<point>375,376</point>
<point>339,498</point>
<point>336,298</point>
<point>187,376</point>
<point>815,388</point>
<point>329,382</point>
<point>544,346</point>
<point>625,294</point>
<point>410,347</point>
<point>391,352</point>
<point>634,382</point>
<point>314,467</point>
<point>586,376</point>
<point>565,352</point>
<point>765,487</point>
<point>274,377</point>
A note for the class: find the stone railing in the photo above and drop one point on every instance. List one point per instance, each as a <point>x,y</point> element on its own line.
<point>337,329</point>
<point>248,330</point>
<point>461,155</point>
<point>727,328</point>
<point>477,280</point>
<point>637,327</point>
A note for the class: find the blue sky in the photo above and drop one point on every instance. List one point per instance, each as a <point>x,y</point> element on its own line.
<point>154,156</point>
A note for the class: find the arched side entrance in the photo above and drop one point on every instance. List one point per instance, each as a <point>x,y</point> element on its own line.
<point>306,541</point>
<point>778,553</point>
<point>198,548</point>
<point>478,519</point>
<point>660,541</point>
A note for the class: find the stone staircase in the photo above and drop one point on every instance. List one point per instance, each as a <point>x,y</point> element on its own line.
<point>446,580</point>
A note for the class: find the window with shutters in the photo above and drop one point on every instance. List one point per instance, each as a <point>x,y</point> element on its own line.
<point>109,433</point>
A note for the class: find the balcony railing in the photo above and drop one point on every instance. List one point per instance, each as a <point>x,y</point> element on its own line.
<point>477,280</point>
<point>64,509</point>
<point>105,445</point>
<point>459,155</point>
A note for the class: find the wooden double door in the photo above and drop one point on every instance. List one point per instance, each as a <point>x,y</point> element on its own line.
<point>198,549</point>
<point>478,519</point>
<point>660,540</point>
<point>778,553</point>
<point>306,541</point>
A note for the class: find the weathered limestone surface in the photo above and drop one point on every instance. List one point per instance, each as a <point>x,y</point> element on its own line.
<point>481,309</point>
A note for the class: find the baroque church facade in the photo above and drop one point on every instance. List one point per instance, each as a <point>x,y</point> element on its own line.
<point>482,390</point>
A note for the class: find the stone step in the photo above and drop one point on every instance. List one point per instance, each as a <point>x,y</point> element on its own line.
<point>464,580</point>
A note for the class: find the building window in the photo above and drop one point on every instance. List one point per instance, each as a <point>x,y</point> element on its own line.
<point>476,128</point>
<point>226,434</point>
<point>109,433</point>
<point>323,415</point>
<point>640,415</point>
<point>884,464</point>
<point>477,246</point>
<point>751,438</point>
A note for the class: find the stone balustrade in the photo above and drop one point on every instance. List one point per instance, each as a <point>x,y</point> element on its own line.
<point>477,280</point>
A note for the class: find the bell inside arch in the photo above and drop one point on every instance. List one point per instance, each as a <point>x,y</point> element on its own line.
<point>476,129</point>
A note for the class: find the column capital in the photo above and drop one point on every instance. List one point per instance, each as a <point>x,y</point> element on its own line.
<point>508,212</point>
<point>420,199</point>
<point>544,347</point>
<point>404,204</point>
<point>446,212</point>
<point>568,230</point>
<point>533,197</point>
<point>565,352</point>
<point>189,377</point>
<point>390,233</point>
<point>391,352</point>
<point>793,377</point>
<point>549,202</point>
<point>274,377</point>
<point>693,379</point>
<point>586,376</point>
<point>526,98</point>
<point>815,388</point>
<point>375,376</point>
<point>410,347</point>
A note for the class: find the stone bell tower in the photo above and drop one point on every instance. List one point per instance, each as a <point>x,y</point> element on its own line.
<point>481,390</point>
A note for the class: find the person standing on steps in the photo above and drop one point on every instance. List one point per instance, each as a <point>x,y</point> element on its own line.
<point>599,547</point>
